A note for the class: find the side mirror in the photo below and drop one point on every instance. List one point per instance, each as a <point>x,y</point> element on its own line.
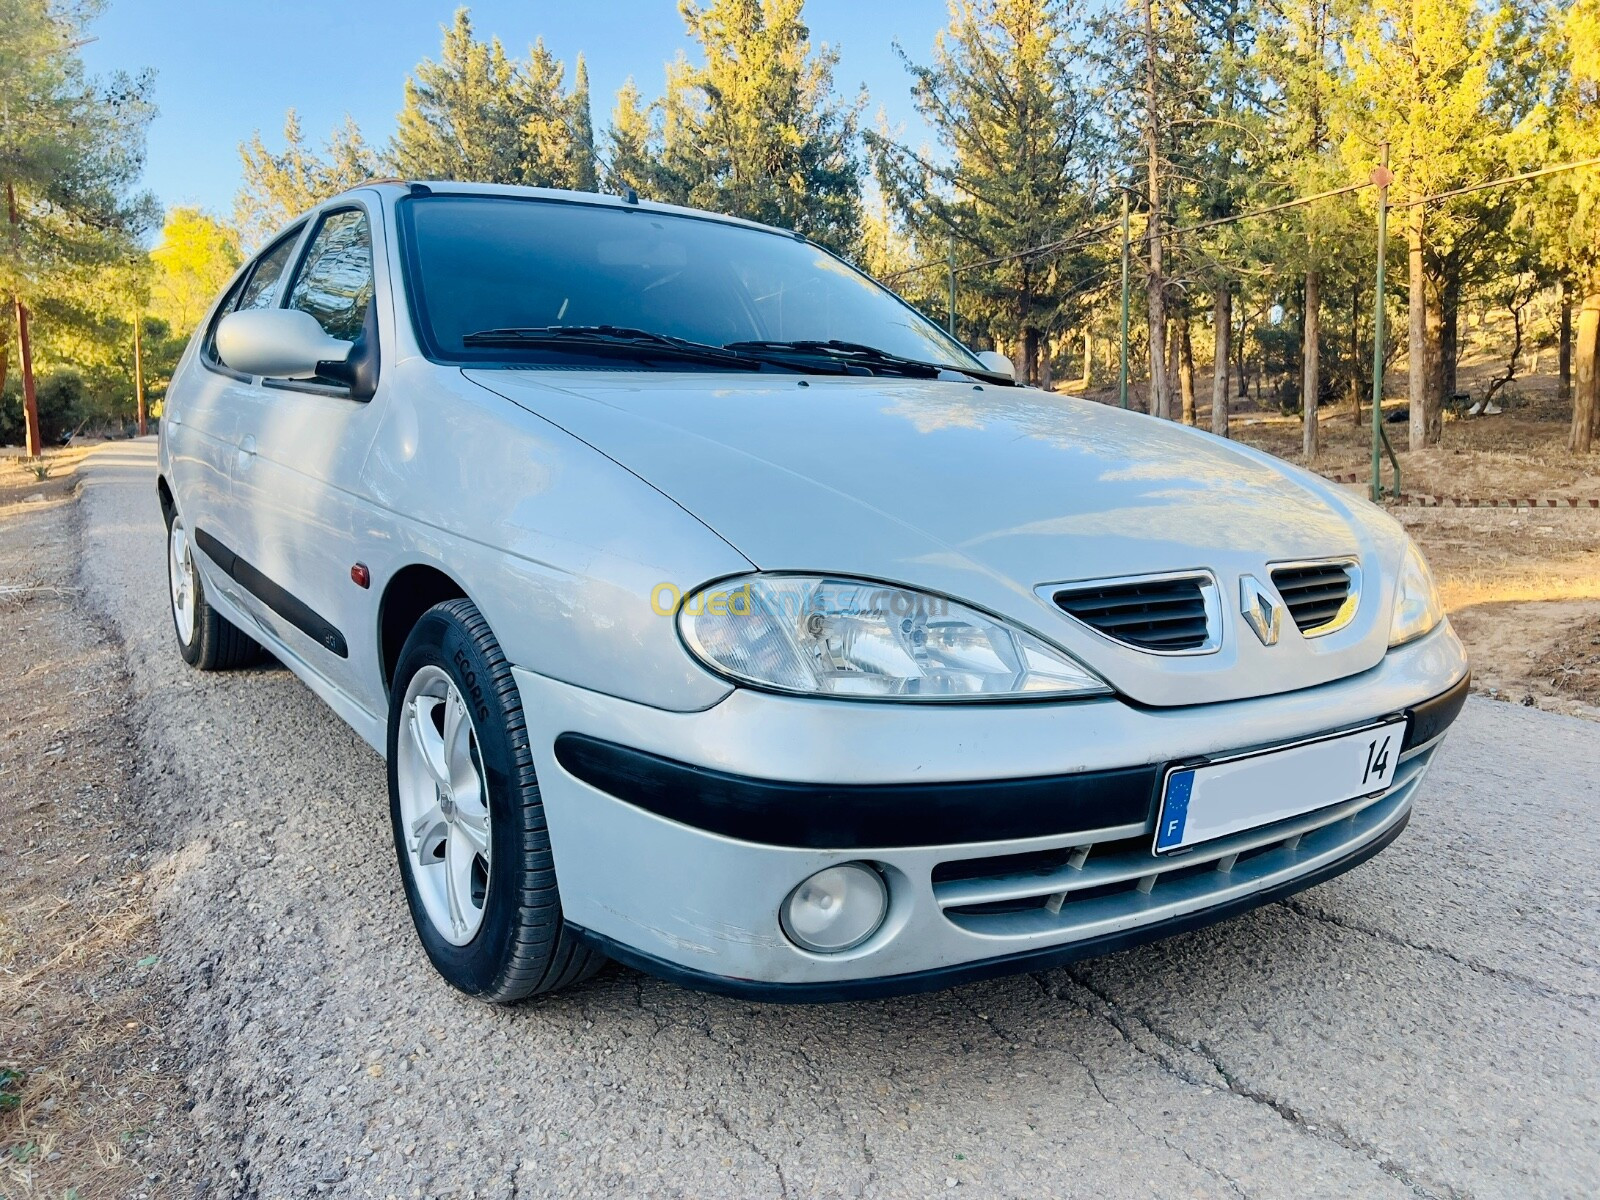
<point>281,342</point>
<point>993,360</point>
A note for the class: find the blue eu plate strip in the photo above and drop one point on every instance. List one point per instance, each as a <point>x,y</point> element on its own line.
<point>1175,810</point>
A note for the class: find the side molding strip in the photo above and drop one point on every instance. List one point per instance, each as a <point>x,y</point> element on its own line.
<point>287,605</point>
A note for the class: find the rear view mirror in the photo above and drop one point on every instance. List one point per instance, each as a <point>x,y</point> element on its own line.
<point>993,360</point>
<point>280,342</point>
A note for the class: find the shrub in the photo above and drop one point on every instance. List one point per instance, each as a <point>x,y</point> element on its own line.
<point>61,404</point>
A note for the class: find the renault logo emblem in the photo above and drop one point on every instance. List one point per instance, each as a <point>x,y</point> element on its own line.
<point>1261,609</point>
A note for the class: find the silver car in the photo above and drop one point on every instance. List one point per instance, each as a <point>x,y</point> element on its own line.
<point>717,613</point>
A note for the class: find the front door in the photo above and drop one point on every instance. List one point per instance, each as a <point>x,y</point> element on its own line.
<point>302,444</point>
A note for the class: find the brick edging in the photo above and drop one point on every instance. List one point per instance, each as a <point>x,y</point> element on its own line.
<point>1422,500</point>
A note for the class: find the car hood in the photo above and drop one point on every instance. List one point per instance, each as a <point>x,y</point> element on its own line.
<point>987,494</point>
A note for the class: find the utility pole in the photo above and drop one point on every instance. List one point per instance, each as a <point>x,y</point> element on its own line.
<point>138,369</point>
<point>1122,379</point>
<point>30,398</point>
<point>1383,177</point>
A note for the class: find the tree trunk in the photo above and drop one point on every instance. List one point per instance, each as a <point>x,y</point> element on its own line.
<point>1564,354</point>
<point>1434,330</point>
<point>1222,328</point>
<point>30,398</point>
<point>1417,338</point>
<point>1030,356</point>
<point>1239,355</point>
<point>1172,368</point>
<point>1046,372</point>
<point>1186,369</point>
<point>1310,370</point>
<point>1355,353</point>
<point>1088,356</point>
<point>1586,396</point>
<point>1155,286</point>
<point>138,375</point>
<point>1450,331</point>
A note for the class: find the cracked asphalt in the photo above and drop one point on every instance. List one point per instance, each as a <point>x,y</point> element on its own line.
<point>1427,1025</point>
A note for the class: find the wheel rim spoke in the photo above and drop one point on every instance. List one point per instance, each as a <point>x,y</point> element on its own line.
<point>430,746</point>
<point>474,827</point>
<point>444,816</point>
<point>462,772</point>
<point>455,870</point>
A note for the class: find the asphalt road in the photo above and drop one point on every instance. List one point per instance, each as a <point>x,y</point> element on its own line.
<point>1428,1025</point>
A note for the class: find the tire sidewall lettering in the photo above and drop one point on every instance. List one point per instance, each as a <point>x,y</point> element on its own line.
<point>469,682</point>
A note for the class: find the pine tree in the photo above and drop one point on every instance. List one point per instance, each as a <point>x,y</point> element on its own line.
<point>1569,205</point>
<point>757,130</point>
<point>1429,77</point>
<point>1018,147</point>
<point>631,159</point>
<point>462,117</point>
<point>585,171</point>
<point>71,151</point>
<point>477,115</point>
<point>279,186</point>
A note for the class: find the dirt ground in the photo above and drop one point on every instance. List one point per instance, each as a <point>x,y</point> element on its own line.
<point>91,1103</point>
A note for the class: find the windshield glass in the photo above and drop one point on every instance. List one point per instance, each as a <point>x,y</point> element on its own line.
<point>480,263</point>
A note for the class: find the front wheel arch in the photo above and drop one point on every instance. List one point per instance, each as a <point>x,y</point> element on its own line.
<point>410,592</point>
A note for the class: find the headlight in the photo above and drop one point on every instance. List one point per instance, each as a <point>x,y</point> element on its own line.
<point>852,638</point>
<point>1417,607</point>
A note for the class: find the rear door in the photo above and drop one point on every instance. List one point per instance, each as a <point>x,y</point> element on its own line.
<point>300,524</point>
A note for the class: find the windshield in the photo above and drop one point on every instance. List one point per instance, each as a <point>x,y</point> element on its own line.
<point>487,263</point>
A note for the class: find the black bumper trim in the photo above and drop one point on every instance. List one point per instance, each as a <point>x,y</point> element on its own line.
<point>1432,717</point>
<point>989,968</point>
<point>841,816</point>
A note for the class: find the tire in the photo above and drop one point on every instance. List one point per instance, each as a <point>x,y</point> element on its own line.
<point>469,827</point>
<point>207,640</point>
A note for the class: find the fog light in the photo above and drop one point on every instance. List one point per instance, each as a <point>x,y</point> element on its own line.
<point>836,909</point>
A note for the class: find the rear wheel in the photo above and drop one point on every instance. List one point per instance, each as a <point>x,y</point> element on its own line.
<point>206,639</point>
<point>468,820</point>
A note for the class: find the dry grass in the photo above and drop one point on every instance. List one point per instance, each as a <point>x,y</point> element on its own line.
<point>89,1089</point>
<point>52,476</point>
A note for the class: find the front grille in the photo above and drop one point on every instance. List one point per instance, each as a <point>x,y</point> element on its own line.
<point>1103,887</point>
<point>1167,614</point>
<point>1315,593</point>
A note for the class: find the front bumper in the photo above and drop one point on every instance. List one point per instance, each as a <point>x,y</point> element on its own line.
<point>680,894</point>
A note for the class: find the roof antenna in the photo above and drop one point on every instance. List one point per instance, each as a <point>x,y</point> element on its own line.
<point>629,196</point>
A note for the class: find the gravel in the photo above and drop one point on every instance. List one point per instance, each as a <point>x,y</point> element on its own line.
<point>1424,1026</point>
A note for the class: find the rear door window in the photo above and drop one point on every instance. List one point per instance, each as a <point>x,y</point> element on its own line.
<point>262,289</point>
<point>256,288</point>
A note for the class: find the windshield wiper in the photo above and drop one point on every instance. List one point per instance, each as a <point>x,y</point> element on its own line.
<point>859,356</point>
<point>613,340</point>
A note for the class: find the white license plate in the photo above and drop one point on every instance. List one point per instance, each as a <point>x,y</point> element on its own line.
<point>1210,801</point>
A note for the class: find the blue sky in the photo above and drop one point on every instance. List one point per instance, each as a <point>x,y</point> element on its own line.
<point>225,68</point>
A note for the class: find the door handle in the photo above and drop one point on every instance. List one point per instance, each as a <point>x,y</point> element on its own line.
<point>248,445</point>
<point>247,453</point>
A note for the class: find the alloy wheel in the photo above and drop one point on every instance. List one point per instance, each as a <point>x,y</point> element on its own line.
<point>180,575</point>
<point>444,805</point>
